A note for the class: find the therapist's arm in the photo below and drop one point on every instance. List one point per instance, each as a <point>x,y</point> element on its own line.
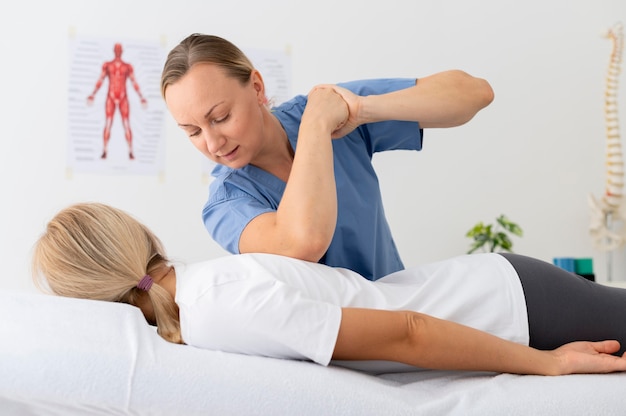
<point>304,223</point>
<point>427,342</point>
<point>445,99</point>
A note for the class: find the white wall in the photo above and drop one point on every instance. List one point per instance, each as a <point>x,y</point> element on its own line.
<point>534,154</point>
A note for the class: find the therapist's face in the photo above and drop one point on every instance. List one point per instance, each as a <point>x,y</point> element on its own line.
<point>222,117</point>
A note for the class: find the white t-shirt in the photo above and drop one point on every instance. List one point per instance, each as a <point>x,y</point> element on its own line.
<point>275,306</point>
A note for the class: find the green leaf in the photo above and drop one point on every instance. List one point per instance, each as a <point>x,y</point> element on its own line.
<point>509,225</point>
<point>503,241</point>
<point>478,229</point>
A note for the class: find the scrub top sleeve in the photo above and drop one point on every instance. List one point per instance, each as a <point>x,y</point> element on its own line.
<point>391,134</point>
<point>226,218</point>
<point>268,318</point>
<point>378,86</point>
<point>394,135</point>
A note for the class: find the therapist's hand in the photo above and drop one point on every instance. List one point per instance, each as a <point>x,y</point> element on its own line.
<point>353,102</point>
<point>326,105</point>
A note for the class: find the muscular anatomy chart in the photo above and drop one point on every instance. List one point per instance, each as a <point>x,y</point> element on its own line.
<point>118,73</point>
<point>115,111</point>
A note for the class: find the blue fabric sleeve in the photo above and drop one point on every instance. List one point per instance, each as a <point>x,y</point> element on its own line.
<point>390,134</point>
<point>233,202</point>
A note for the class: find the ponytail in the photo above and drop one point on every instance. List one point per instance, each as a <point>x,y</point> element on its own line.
<point>94,251</point>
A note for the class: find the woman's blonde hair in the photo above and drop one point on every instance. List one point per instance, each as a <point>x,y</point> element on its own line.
<point>199,48</point>
<point>95,251</point>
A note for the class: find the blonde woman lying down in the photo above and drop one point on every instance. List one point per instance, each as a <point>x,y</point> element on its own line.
<point>491,312</point>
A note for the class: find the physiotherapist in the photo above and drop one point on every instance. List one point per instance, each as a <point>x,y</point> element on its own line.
<point>286,187</point>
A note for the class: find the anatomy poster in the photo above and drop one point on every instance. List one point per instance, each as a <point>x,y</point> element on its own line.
<point>115,110</point>
<point>275,67</point>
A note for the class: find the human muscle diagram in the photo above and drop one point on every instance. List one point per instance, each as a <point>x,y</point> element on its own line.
<point>115,111</point>
<point>118,73</point>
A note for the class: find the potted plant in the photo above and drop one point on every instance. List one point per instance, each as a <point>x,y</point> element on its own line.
<point>493,237</point>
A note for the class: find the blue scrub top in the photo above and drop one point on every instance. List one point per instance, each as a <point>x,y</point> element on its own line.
<point>362,241</point>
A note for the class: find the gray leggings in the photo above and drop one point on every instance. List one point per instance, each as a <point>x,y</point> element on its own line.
<point>564,307</point>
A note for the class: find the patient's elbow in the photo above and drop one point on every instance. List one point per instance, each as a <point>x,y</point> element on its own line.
<point>416,328</point>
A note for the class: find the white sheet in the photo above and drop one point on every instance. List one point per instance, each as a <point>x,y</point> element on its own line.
<point>69,357</point>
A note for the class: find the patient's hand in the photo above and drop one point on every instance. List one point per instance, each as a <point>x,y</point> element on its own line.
<point>589,357</point>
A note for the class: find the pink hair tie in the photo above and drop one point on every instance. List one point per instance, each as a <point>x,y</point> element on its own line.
<point>145,283</point>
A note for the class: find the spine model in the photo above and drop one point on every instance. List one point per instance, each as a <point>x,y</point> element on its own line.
<point>615,161</point>
<point>607,212</point>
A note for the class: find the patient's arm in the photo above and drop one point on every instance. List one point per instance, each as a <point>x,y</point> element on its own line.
<point>427,342</point>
